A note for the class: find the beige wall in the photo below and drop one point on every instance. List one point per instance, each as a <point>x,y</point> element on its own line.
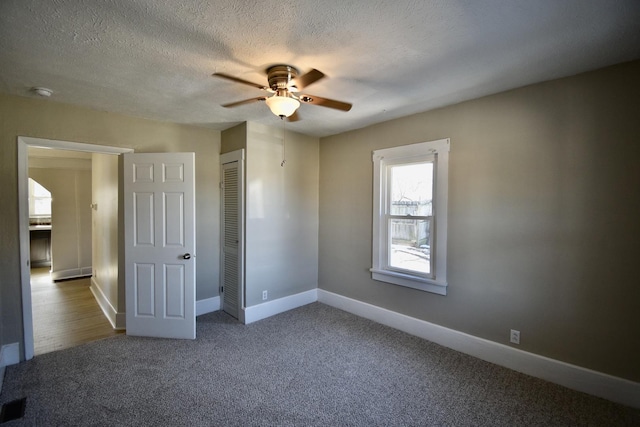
<point>105,227</point>
<point>544,218</point>
<point>46,119</point>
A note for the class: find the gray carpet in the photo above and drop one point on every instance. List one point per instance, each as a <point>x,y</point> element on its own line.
<point>313,366</point>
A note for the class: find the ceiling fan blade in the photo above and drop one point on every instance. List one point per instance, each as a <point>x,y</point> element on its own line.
<point>294,117</point>
<point>237,80</point>
<point>325,102</point>
<point>246,101</point>
<point>305,80</point>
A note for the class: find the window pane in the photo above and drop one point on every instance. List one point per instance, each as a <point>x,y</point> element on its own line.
<point>39,199</point>
<point>410,245</point>
<point>42,206</point>
<point>39,190</point>
<point>411,189</point>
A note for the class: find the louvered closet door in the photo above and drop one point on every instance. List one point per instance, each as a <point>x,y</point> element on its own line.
<point>231,205</point>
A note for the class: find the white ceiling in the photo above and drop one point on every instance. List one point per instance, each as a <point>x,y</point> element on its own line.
<point>390,58</point>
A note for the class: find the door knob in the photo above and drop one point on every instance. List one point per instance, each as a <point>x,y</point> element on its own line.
<point>186,256</point>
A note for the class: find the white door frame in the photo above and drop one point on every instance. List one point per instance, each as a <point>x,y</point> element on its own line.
<point>24,142</point>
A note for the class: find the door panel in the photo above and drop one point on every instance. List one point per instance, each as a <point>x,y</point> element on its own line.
<point>173,220</point>
<point>144,290</point>
<point>143,219</point>
<point>159,210</point>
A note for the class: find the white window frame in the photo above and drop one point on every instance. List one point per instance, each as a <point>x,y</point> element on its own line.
<point>438,150</point>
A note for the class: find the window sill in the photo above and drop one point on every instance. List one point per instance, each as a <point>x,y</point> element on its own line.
<point>409,281</point>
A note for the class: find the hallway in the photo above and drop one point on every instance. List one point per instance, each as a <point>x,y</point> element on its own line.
<point>65,313</point>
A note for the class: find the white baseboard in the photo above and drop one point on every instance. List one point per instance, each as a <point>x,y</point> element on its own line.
<point>280,305</point>
<point>207,305</point>
<point>117,320</point>
<point>9,355</point>
<point>575,377</point>
<point>71,273</point>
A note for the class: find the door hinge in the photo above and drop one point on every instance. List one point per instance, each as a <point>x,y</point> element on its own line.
<point>222,185</point>
<point>221,288</point>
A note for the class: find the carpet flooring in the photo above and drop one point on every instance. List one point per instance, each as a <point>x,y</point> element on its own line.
<point>313,366</point>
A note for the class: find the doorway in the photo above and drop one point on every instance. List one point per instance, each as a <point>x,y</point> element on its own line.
<point>23,174</point>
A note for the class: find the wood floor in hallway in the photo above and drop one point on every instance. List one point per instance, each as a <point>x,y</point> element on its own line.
<point>65,313</point>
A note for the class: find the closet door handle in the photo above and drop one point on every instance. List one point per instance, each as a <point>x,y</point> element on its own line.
<point>186,256</point>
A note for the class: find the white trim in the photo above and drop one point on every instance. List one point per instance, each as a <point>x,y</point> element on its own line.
<point>72,146</point>
<point>25,268</point>
<point>575,377</point>
<point>233,156</point>
<point>280,305</point>
<point>208,305</point>
<point>23,210</point>
<point>409,281</point>
<point>9,355</point>
<point>71,273</point>
<point>116,319</point>
<point>379,262</point>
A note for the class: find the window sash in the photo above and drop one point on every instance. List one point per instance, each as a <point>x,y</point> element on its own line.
<point>418,253</point>
<point>387,190</point>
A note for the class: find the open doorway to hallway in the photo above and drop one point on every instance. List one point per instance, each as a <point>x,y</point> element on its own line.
<point>100,269</point>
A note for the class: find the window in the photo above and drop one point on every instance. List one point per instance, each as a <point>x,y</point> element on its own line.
<point>410,215</point>
<point>39,200</point>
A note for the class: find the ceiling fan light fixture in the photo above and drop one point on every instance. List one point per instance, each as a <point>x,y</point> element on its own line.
<point>282,106</point>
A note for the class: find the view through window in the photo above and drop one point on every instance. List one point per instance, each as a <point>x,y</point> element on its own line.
<point>410,216</point>
<point>39,200</point>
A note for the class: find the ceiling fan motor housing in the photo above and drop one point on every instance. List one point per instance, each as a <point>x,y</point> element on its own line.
<point>280,76</point>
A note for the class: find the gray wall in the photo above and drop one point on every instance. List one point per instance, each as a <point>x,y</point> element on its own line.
<point>281,213</point>
<point>281,218</point>
<point>544,211</point>
<point>234,138</point>
<point>20,116</point>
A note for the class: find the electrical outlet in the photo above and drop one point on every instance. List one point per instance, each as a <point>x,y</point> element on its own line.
<point>264,295</point>
<point>515,336</point>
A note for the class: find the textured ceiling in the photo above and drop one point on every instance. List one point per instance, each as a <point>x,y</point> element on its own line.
<point>390,58</point>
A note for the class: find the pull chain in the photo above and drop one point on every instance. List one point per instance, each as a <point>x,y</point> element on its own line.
<point>284,133</point>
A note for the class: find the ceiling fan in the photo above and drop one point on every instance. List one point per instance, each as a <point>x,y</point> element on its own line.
<point>285,83</point>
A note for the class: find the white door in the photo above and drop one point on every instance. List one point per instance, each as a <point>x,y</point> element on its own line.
<point>232,230</point>
<point>159,227</point>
